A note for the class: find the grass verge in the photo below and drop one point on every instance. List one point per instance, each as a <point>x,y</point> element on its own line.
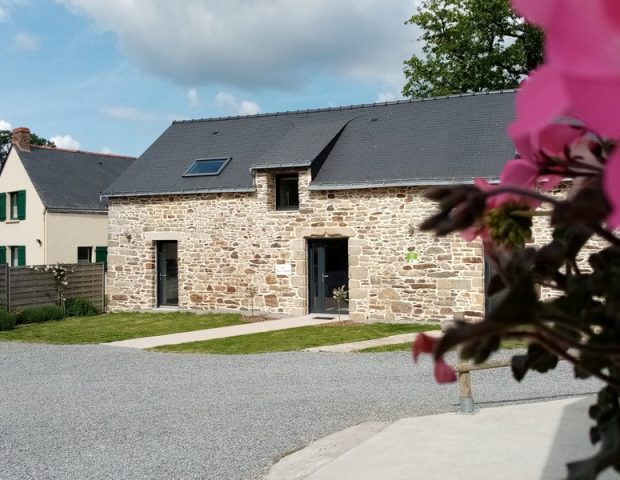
<point>295,338</point>
<point>111,327</point>
<point>398,347</point>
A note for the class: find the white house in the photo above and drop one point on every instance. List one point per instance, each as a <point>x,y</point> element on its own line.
<point>50,206</point>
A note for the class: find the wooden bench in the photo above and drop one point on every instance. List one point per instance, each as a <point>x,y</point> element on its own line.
<point>464,371</point>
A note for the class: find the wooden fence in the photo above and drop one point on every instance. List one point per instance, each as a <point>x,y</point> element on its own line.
<point>22,287</point>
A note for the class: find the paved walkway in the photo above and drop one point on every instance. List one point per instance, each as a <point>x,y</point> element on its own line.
<point>529,441</point>
<point>223,332</point>
<point>377,342</point>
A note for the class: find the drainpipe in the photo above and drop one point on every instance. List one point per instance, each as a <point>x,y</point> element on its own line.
<point>45,236</point>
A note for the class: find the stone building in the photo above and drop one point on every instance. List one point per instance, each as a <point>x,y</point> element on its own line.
<point>296,204</point>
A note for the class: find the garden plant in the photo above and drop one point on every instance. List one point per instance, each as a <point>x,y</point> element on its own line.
<point>566,134</point>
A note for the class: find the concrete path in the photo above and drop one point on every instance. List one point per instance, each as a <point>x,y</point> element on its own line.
<point>223,332</point>
<point>377,342</point>
<point>532,441</point>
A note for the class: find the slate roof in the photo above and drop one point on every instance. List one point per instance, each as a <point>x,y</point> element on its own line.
<point>69,180</point>
<point>414,142</point>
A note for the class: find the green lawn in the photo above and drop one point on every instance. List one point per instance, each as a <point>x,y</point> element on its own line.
<point>395,347</point>
<point>295,338</point>
<point>398,347</point>
<point>111,327</point>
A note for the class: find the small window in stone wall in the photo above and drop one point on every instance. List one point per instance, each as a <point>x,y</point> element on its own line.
<point>287,192</point>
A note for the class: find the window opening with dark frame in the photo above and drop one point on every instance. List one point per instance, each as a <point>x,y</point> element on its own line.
<point>84,254</point>
<point>287,192</point>
<point>206,166</point>
<point>18,256</point>
<point>17,205</point>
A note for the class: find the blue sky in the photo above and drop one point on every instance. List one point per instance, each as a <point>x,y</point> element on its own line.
<point>111,75</point>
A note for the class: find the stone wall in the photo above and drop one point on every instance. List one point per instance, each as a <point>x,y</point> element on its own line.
<point>231,241</point>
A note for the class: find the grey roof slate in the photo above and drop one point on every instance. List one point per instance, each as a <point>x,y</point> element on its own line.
<point>302,144</point>
<point>72,180</point>
<point>414,142</point>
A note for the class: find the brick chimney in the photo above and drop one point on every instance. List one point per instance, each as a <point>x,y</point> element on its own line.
<point>21,138</point>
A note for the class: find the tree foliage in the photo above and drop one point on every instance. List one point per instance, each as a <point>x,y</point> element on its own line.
<point>5,143</point>
<point>470,46</point>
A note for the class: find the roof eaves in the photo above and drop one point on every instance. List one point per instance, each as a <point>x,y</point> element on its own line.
<point>178,192</point>
<point>271,166</point>
<point>418,182</point>
<point>102,210</point>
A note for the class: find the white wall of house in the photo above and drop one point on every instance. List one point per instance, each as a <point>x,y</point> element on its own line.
<point>65,232</point>
<point>22,232</point>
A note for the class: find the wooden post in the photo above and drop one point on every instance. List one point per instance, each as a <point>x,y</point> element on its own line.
<point>466,399</point>
<point>464,371</point>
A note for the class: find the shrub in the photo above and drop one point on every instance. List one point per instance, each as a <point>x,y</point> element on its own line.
<point>40,314</point>
<point>80,307</point>
<point>7,321</point>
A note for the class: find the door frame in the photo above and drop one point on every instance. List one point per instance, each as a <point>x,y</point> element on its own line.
<point>312,243</point>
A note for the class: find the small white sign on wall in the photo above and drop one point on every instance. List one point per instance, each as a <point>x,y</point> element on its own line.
<point>284,269</point>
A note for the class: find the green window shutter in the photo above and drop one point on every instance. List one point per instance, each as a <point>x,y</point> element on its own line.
<point>101,256</point>
<point>2,207</point>
<point>2,255</point>
<point>21,256</point>
<point>21,205</point>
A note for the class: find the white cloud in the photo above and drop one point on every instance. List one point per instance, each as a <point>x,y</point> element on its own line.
<point>192,97</point>
<point>7,5</point>
<point>230,103</point>
<point>129,113</point>
<point>106,150</point>
<point>386,97</point>
<point>26,42</point>
<point>260,44</point>
<point>4,125</point>
<point>248,108</point>
<point>66,141</point>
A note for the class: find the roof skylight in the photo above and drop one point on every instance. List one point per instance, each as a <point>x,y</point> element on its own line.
<point>206,166</point>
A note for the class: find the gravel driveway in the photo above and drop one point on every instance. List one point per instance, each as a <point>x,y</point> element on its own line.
<point>96,412</point>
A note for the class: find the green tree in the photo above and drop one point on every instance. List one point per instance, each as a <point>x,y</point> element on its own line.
<point>5,143</point>
<point>470,46</point>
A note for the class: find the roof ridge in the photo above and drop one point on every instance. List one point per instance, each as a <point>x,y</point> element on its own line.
<point>85,152</point>
<point>346,107</point>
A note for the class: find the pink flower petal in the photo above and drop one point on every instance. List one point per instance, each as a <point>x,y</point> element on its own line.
<point>612,11</point>
<point>540,102</point>
<point>444,373</point>
<point>519,172</point>
<point>596,101</point>
<point>611,184</point>
<point>554,138</point>
<point>583,37</point>
<point>422,344</point>
<point>539,12</point>
<point>471,233</point>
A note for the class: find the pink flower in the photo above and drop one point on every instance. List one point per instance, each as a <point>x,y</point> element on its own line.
<point>494,201</point>
<point>581,78</point>
<point>540,102</point>
<point>596,101</point>
<point>422,344</point>
<point>611,181</point>
<point>582,70</point>
<point>444,373</point>
<point>536,11</point>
